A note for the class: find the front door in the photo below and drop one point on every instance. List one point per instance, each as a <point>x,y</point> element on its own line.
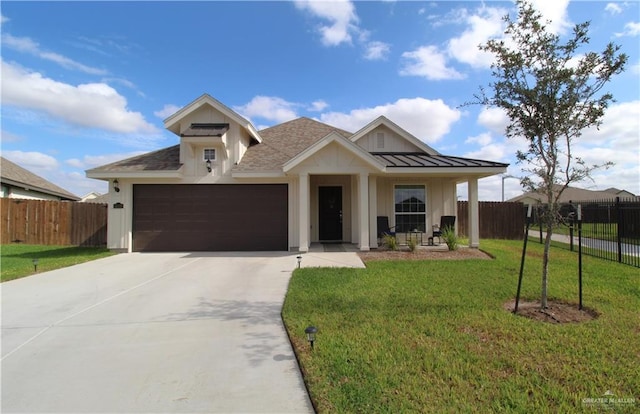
<point>330,213</point>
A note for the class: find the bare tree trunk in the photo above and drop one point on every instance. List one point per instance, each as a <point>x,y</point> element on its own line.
<point>545,266</point>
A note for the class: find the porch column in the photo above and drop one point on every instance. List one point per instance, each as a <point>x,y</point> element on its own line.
<point>363,213</point>
<point>303,197</point>
<point>373,211</point>
<point>474,216</point>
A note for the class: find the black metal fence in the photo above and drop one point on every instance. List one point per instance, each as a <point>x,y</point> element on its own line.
<point>610,229</point>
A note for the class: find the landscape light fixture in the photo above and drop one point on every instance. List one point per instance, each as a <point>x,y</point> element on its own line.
<point>35,265</point>
<point>299,260</point>
<point>311,334</point>
<point>116,186</point>
<point>208,165</point>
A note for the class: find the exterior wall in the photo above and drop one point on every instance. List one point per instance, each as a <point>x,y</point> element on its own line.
<point>229,148</point>
<point>440,193</point>
<point>392,142</point>
<point>343,181</point>
<point>16,192</point>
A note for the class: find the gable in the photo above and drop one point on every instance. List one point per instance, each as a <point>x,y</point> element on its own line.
<point>383,139</point>
<point>334,154</point>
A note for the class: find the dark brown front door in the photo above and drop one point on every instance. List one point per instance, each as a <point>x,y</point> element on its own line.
<point>330,213</point>
<point>225,217</point>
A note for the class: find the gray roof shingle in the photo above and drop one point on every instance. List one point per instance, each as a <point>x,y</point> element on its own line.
<point>15,175</point>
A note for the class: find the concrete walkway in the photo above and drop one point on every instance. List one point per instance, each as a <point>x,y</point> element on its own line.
<point>175,332</point>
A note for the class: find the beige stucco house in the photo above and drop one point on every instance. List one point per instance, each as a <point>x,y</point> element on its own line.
<point>227,186</point>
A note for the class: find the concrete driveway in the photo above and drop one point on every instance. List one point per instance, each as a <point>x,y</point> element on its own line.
<point>171,332</point>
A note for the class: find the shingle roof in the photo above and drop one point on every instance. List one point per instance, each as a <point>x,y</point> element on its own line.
<point>166,159</point>
<point>283,142</point>
<point>569,194</point>
<point>420,159</point>
<point>15,175</point>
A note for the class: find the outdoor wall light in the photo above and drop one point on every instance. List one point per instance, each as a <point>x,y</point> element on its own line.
<point>299,260</point>
<point>208,165</point>
<point>311,334</point>
<point>35,265</point>
<point>116,186</point>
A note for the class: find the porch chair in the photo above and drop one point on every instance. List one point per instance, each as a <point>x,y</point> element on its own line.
<point>445,221</point>
<point>383,228</point>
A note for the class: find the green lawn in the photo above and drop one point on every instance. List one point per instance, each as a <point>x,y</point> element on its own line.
<point>16,260</point>
<point>432,336</point>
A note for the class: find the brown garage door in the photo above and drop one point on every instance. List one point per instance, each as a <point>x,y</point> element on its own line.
<point>223,217</point>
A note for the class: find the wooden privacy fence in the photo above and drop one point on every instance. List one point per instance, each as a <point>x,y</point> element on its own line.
<point>61,223</point>
<point>498,220</point>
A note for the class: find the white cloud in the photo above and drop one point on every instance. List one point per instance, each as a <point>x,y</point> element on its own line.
<point>630,29</point>
<point>318,106</point>
<point>376,50</point>
<point>3,19</point>
<point>613,8</point>
<point>407,113</point>
<point>27,45</point>
<point>6,136</point>
<point>485,24</point>
<point>556,12</point>
<point>341,16</point>
<point>494,119</point>
<point>167,111</point>
<point>270,108</point>
<point>91,105</point>
<point>482,139</point>
<point>492,152</point>
<point>428,62</point>
<point>33,161</point>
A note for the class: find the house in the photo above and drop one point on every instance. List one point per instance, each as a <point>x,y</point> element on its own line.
<point>16,182</point>
<point>227,186</point>
<point>573,194</point>
<point>95,197</point>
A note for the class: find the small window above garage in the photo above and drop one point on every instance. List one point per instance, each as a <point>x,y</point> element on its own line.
<point>205,130</point>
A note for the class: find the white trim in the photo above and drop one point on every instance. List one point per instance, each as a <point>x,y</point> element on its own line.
<point>328,139</point>
<point>174,119</point>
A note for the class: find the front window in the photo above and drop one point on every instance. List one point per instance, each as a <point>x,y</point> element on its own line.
<point>410,208</point>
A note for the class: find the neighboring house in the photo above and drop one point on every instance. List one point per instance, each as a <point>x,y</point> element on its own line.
<point>227,186</point>
<point>573,194</point>
<point>16,182</point>
<point>94,197</point>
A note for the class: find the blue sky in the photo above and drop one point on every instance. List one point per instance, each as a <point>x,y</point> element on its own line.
<point>87,83</point>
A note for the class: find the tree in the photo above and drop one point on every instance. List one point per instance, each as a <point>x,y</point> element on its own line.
<point>551,92</point>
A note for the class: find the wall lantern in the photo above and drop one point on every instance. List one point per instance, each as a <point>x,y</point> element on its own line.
<point>299,260</point>
<point>208,165</point>
<point>35,265</point>
<point>116,186</point>
<point>311,334</point>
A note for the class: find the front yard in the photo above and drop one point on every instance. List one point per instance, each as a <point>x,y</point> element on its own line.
<point>16,260</point>
<point>434,336</point>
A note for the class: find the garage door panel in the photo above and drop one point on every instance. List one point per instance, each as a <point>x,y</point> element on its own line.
<point>210,217</point>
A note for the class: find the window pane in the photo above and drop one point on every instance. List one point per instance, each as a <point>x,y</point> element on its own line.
<point>410,222</point>
<point>410,198</point>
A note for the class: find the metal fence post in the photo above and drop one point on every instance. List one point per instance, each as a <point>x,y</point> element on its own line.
<point>620,224</point>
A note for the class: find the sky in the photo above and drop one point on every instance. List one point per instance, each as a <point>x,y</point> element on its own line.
<point>89,83</point>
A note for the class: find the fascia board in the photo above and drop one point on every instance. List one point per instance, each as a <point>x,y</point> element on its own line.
<point>108,175</point>
<point>340,140</point>
<point>271,174</point>
<point>449,171</point>
<point>30,187</point>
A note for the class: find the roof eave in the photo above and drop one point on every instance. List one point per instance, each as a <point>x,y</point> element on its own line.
<point>108,175</point>
<point>30,187</point>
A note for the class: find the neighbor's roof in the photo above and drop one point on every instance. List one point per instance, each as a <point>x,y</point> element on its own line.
<point>570,194</point>
<point>14,175</point>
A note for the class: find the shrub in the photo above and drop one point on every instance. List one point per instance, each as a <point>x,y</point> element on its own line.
<point>450,238</point>
<point>412,244</point>
<point>390,241</point>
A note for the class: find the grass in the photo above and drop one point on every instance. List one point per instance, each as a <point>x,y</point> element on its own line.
<point>432,336</point>
<point>16,260</point>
